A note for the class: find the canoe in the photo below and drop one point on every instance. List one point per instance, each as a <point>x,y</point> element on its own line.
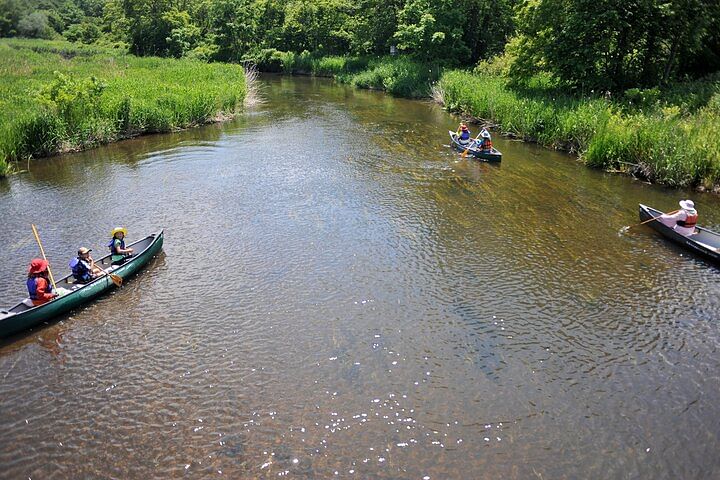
<point>21,317</point>
<point>493,155</point>
<point>703,242</point>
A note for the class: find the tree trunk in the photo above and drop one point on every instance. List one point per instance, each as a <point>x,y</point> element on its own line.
<point>671,60</point>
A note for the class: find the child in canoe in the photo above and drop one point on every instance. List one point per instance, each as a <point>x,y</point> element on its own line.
<point>38,283</point>
<point>120,254</point>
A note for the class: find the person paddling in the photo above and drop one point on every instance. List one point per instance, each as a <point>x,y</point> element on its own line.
<point>485,144</point>
<point>684,220</point>
<point>38,283</point>
<point>463,134</point>
<point>120,254</point>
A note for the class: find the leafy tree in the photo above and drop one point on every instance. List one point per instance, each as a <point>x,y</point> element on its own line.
<point>35,25</point>
<point>317,26</point>
<point>235,26</point>
<point>10,14</point>
<point>91,8</point>
<point>183,36</point>
<point>432,30</point>
<point>489,24</point>
<point>70,13</point>
<point>608,44</point>
<point>86,32</point>
<point>372,24</point>
<point>147,30</point>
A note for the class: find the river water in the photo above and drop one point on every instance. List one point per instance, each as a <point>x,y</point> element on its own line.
<point>341,296</point>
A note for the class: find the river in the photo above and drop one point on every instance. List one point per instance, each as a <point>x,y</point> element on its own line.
<point>341,296</point>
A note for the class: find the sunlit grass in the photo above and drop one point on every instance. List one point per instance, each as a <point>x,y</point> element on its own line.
<point>141,95</point>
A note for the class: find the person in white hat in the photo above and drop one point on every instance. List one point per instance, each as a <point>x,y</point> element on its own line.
<point>684,220</point>
<point>486,143</point>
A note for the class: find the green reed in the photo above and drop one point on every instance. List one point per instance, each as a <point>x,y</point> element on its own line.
<point>49,103</point>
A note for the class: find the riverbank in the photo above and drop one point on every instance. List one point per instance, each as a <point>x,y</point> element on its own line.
<point>59,97</point>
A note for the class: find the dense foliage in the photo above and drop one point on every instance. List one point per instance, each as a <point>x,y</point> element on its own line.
<point>611,46</point>
<point>459,32</point>
<point>598,45</point>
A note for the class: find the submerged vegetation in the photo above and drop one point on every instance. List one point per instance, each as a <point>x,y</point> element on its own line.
<point>57,97</point>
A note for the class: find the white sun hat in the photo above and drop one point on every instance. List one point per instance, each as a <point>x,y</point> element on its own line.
<point>687,204</point>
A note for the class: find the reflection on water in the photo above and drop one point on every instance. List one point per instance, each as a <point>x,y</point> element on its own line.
<point>341,295</point>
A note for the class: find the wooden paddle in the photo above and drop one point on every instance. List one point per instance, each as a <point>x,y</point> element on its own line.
<point>42,251</point>
<point>116,279</point>
<point>464,154</point>
<point>625,229</point>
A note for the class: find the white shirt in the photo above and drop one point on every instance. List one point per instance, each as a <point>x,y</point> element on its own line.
<point>671,221</point>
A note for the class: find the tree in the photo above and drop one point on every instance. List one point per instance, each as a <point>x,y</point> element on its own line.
<point>371,25</point>
<point>35,25</point>
<point>488,26</point>
<point>10,14</point>
<point>183,34</point>
<point>317,26</point>
<point>611,45</point>
<point>86,32</point>
<point>235,26</point>
<point>432,30</point>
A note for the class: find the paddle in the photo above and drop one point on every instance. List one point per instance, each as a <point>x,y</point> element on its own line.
<point>464,154</point>
<point>116,279</point>
<point>628,227</point>
<point>42,251</point>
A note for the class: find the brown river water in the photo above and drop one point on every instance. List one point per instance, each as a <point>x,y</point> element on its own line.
<point>341,296</point>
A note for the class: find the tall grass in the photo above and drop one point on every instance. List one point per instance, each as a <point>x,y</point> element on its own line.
<point>400,76</point>
<point>675,144</point>
<point>48,104</point>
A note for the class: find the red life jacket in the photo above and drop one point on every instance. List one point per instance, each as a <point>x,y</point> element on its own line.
<point>690,221</point>
<point>487,144</point>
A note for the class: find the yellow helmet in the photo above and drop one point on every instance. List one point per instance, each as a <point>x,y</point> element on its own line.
<point>118,230</point>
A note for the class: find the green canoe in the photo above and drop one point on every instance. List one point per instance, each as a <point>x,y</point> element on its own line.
<point>21,317</point>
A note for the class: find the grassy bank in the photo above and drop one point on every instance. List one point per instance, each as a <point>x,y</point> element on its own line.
<point>57,97</point>
<point>670,137</point>
<point>399,76</point>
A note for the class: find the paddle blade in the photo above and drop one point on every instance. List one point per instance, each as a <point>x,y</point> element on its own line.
<point>117,279</point>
